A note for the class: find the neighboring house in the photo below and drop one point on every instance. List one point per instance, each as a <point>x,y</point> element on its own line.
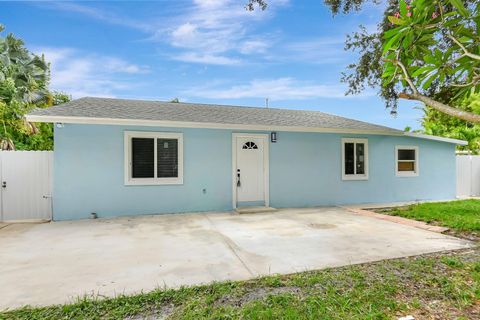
<point>127,157</point>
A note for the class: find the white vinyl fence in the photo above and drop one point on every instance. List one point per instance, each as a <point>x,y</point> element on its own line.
<point>26,185</point>
<point>468,176</point>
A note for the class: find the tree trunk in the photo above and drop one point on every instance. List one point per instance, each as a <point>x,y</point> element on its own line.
<point>451,111</point>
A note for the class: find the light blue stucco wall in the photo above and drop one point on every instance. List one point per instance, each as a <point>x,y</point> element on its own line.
<point>305,170</point>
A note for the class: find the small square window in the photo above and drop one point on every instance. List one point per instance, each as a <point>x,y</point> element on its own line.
<point>406,161</point>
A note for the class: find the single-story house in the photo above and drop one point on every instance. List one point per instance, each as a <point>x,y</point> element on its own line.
<point>128,157</point>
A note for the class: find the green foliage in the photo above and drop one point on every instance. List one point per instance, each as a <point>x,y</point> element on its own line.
<point>459,215</point>
<point>435,44</point>
<point>419,35</point>
<point>24,86</point>
<point>24,76</point>
<point>346,6</point>
<point>453,262</point>
<point>251,4</point>
<point>367,70</point>
<point>439,124</point>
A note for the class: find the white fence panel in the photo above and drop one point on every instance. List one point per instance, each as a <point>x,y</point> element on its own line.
<point>464,176</point>
<point>475,177</point>
<point>26,185</point>
<point>468,176</point>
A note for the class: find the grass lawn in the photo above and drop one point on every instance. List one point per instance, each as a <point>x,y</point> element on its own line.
<point>436,286</point>
<point>462,216</point>
<point>441,286</point>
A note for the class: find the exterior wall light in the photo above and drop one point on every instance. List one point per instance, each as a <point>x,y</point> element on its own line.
<point>273,137</point>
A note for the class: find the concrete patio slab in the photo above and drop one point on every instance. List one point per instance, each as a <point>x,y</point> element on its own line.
<point>53,263</point>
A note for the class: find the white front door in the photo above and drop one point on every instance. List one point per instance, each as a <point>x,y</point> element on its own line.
<point>251,168</point>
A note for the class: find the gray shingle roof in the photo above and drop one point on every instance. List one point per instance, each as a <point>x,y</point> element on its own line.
<point>98,108</point>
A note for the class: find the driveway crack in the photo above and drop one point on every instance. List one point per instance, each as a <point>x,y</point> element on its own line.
<point>231,245</point>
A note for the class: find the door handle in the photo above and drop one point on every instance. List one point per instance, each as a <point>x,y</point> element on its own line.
<point>238,178</point>
<point>4,184</point>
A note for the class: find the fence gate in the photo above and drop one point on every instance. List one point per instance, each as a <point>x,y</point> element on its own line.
<point>468,176</point>
<point>26,185</point>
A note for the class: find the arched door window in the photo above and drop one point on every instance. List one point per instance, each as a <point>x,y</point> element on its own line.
<point>250,145</point>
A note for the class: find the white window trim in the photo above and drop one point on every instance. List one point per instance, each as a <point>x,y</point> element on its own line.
<point>407,173</point>
<point>128,135</point>
<point>354,176</point>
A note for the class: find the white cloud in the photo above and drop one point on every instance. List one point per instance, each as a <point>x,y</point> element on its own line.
<point>80,74</point>
<point>218,32</point>
<point>186,31</point>
<point>210,3</point>
<point>204,31</point>
<point>206,59</point>
<point>118,65</point>
<point>222,29</point>
<point>254,46</point>
<point>323,50</point>
<point>275,89</point>
<point>317,44</point>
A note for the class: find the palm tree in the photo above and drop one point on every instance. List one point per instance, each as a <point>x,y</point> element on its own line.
<point>24,81</point>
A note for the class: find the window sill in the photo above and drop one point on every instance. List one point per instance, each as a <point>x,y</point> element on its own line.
<point>354,177</point>
<point>406,175</point>
<point>153,182</point>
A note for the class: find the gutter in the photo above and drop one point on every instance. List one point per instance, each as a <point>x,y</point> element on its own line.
<point>436,138</point>
<point>210,125</point>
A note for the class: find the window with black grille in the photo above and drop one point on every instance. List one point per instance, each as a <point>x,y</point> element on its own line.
<point>153,158</point>
<point>167,158</point>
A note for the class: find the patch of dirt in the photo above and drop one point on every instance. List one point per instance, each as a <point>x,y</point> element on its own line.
<point>467,235</point>
<point>439,310</point>
<point>433,306</point>
<point>255,294</point>
<point>159,314</point>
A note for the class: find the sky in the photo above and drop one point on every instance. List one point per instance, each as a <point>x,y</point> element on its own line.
<point>208,51</point>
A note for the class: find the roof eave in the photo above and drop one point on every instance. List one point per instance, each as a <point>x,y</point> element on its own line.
<point>436,138</point>
<point>202,125</point>
<point>207,125</point>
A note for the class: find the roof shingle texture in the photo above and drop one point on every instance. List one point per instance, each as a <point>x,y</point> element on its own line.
<point>204,113</point>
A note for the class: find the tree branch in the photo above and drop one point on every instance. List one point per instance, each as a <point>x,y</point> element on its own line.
<point>405,74</point>
<point>464,85</point>
<point>439,106</point>
<point>466,52</point>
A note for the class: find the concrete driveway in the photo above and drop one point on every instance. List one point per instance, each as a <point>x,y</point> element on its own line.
<point>52,263</point>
